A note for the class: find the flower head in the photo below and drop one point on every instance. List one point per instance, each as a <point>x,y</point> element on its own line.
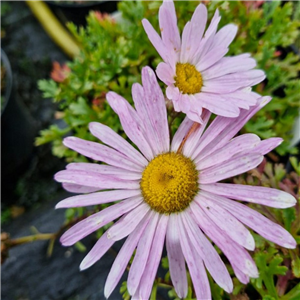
<point>195,70</point>
<point>170,191</point>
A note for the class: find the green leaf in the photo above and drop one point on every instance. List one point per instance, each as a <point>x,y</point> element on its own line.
<point>48,87</point>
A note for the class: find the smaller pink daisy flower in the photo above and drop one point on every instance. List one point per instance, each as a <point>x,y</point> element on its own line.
<point>195,70</point>
<point>170,191</point>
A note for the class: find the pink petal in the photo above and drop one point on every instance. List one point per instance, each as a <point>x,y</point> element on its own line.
<point>78,189</point>
<point>195,264</point>
<point>128,223</point>
<point>186,44</point>
<point>224,36</point>
<point>97,198</point>
<point>226,221</point>
<point>123,258</point>
<point>208,38</point>
<point>181,132</point>
<point>155,40</point>
<point>105,169</point>
<point>95,180</point>
<point>169,30</point>
<point>234,166</point>
<point>165,73</point>
<point>198,23</point>
<point>131,123</point>
<point>243,278</point>
<point>155,109</point>
<point>235,253</point>
<point>192,141</point>
<point>255,194</point>
<point>111,138</point>
<point>239,144</point>
<point>258,222</point>
<point>176,258</point>
<point>100,152</point>
<point>99,249</point>
<point>232,82</point>
<point>211,258</point>
<point>217,104</point>
<point>141,256</point>
<point>154,257</point>
<point>98,220</point>
<point>231,64</point>
<point>223,129</point>
<point>210,59</point>
<point>267,145</point>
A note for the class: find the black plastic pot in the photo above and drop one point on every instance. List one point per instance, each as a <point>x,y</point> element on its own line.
<point>77,12</point>
<point>17,135</point>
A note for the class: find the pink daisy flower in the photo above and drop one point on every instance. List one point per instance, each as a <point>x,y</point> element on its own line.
<point>195,70</point>
<point>170,191</point>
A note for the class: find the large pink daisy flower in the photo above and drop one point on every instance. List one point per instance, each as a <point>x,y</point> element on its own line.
<point>195,70</point>
<point>171,191</point>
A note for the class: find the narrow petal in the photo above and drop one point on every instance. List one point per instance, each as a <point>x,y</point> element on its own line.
<point>223,129</point>
<point>235,253</point>
<point>95,180</point>
<point>208,38</point>
<point>186,43</point>
<point>255,194</point>
<point>176,258</point>
<point>198,23</point>
<point>155,40</point>
<point>154,257</point>
<point>263,226</point>
<point>231,64</point>
<point>111,138</point>
<point>232,82</point>
<point>105,170</point>
<point>192,141</point>
<point>234,166</point>
<point>131,123</point>
<point>226,221</point>
<point>210,59</point>
<point>165,73</point>
<point>141,256</point>
<point>100,152</point>
<point>211,258</point>
<point>123,258</point>
<point>169,30</point>
<point>241,143</point>
<point>217,104</point>
<point>267,145</point>
<point>128,223</point>
<point>98,220</point>
<point>78,189</point>
<point>243,278</point>
<point>181,132</point>
<point>99,249</point>
<point>195,265</point>
<point>224,36</point>
<point>156,109</point>
<point>97,198</point>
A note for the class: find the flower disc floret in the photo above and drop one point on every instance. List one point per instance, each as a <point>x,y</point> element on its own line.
<point>188,79</point>
<point>169,183</point>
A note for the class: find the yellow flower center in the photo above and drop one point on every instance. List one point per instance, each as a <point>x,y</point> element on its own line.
<point>169,183</point>
<point>188,79</point>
